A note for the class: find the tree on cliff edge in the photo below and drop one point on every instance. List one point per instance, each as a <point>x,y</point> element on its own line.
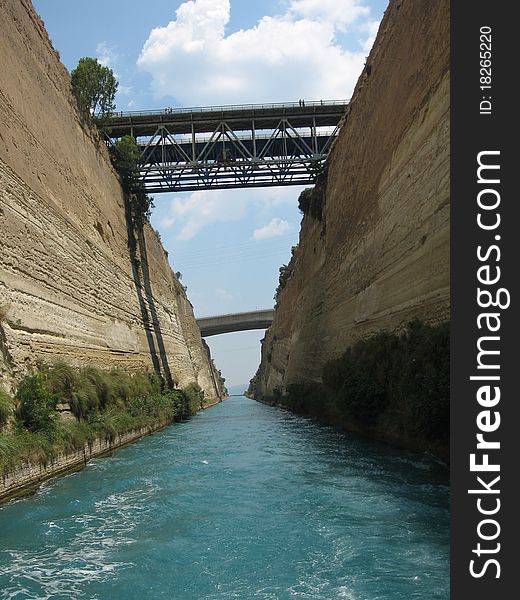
<point>94,87</point>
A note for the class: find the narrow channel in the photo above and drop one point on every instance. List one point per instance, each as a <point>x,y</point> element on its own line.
<point>241,501</point>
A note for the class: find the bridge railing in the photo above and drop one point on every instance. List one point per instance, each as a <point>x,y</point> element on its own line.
<point>227,107</point>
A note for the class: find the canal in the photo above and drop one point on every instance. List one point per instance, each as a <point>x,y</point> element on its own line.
<point>242,501</point>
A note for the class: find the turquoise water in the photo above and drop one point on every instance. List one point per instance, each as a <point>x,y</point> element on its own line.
<point>242,501</point>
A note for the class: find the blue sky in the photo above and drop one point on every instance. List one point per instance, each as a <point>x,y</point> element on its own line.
<point>228,244</point>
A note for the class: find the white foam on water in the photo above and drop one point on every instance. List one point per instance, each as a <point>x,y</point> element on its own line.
<point>344,592</point>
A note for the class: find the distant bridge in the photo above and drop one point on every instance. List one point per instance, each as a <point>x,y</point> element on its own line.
<point>222,147</point>
<point>258,319</point>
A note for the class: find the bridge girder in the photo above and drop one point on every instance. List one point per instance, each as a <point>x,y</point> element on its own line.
<point>259,319</point>
<point>232,147</point>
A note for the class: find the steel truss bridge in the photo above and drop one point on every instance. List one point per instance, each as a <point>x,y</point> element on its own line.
<point>222,147</point>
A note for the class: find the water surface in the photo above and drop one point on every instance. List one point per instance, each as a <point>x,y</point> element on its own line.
<point>242,501</point>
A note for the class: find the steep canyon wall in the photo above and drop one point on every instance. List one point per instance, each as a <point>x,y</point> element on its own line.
<point>68,287</point>
<point>379,257</point>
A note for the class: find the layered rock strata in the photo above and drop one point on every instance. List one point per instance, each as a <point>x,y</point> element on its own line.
<point>69,289</point>
<point>379,256</point>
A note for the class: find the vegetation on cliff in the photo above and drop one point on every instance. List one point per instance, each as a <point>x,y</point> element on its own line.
<point>6,408</point>
<point>104,404</point>
<point>403,380</point>
<point>125,157</point>
<point>253,385</point>
<point>125,154</point>
<point>94,87</point>
<point>311,201</point>
<point>285,273</point>
<point>388,383</point>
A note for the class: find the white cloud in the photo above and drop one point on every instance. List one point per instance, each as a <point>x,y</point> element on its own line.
<point>274,228</point>
<point>186,215</point>
<point>125,90</point>
<point>200,209</point>
<point>223,294</point>
<point>341,13</point>
<point>106,55</point>
<point>281,58</point>
<point>371,28</point>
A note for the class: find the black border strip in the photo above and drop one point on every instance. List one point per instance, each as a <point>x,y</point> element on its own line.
<point>477,128</point>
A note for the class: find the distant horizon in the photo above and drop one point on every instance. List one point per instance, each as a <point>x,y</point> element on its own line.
<point>238,389</point>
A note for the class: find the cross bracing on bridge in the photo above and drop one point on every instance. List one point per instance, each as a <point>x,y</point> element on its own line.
<point>231,146</point>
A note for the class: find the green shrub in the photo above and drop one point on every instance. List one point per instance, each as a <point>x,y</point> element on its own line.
<point>195,396</point>
<point>36,405</point>
<point>60,379</point>
<point>150,406</point>
<point>90,390</point>
<point>361,377</point>
<point>144,384</point>
<point>106,404</point>
<point>312,200</point>
<point>307,398</point>
<point>401,379</point>
<point>398,383</point>
<point>285,272</point>
<point>101,384</point>
<point>424,388</point>
<point>253,385</point>
<point>121,388</point>
<point>24,446</point>
<point>6,407</point>
<point>141,206</point>
<point>84,402</point>
<point>113,422</point>
<point>73,436</point>
<point>180,403</point>
<point>125,155</point>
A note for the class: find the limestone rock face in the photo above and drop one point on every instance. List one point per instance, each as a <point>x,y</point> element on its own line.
<point>69,289</point>
<point>380,255</point>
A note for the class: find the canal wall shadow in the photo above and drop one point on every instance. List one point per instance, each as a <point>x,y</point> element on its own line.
<point>143,287</point>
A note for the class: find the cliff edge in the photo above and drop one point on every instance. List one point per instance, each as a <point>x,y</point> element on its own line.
<point>373,253</point>
<point>68,287</point>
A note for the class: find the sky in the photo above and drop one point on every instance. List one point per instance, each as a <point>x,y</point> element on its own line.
<point>228,244</point>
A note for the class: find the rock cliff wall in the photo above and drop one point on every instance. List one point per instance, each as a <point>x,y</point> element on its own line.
<point>379,257</point>
<point>68,287</point>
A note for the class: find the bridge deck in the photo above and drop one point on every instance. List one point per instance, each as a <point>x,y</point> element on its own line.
<point>259,319</point>
<point>207,119</point>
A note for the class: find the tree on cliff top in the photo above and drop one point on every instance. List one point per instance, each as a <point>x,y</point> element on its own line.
<point>94,87</point>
